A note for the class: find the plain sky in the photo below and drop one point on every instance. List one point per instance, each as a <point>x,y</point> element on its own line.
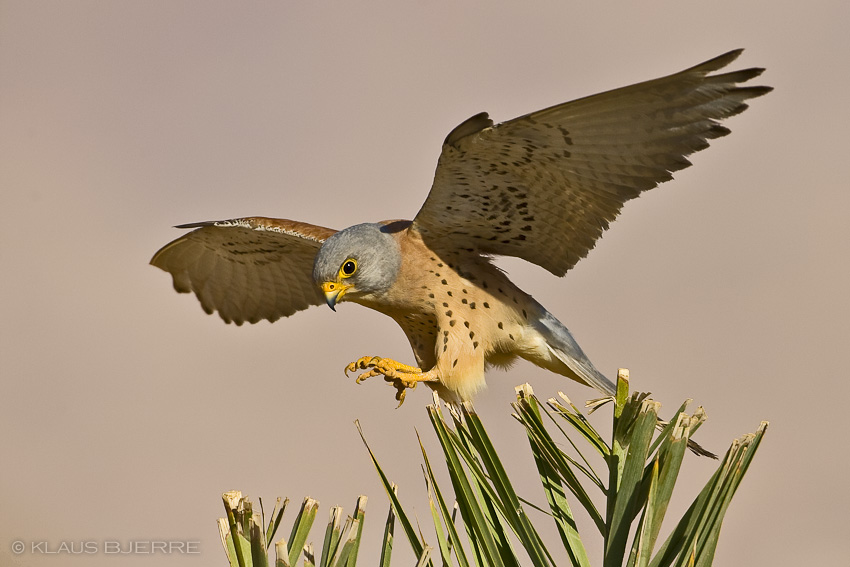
<point>125,411</point>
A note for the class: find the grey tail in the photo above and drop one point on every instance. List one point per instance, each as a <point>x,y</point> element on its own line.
<point>564,347</point>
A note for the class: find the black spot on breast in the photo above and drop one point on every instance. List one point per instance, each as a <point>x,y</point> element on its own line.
<point>454,363</point>
<point>471,334</point>
<point>449,313</point>
<point>444,282</point>
<point>486,305</point>
<point>466,324</point>
<point>445,304</point>
<point>501,326</point>
<point>464,301</point>
<point>449,293</point>
<point>431,295</point>
<point>472,305</point>
<point>452,323</point>
<point>474,345</point>
<point>510,336</point>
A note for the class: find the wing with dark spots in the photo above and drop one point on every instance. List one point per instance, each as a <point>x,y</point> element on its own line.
<point>247,269</point>
<point>544,186</point>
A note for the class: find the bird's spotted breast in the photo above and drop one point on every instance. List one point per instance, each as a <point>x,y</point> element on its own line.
<point>458,312</point>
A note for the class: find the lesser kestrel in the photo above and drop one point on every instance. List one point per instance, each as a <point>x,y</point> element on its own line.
<point>542,187</point>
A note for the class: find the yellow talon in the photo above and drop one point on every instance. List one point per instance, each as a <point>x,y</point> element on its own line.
<point>362,363</point>
<point>402,376</point>
<point>402,386</point>
<point>365,375</point>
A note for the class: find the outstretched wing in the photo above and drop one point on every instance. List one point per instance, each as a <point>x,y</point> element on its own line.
<point>543,187</point>
<point>247,269</point>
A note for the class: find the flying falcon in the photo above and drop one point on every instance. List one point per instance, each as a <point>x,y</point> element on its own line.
<point>542,187</point>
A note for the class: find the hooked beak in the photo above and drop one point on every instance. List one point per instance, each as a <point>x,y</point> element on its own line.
<point>333,293</point>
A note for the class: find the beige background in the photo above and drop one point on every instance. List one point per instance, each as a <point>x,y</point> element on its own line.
<point>126,410</point>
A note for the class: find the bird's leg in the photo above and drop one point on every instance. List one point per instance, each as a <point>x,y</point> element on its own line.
<point>402,376</point>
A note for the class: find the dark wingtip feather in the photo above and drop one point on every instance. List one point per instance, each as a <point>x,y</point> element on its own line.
<point>716,63</point>
<point>180,288</point>
<point>679,164</point>
<point>753,92</point>
<point>718,131</point>
<point>195,224</point>
<point>468,127</point>
<point>741,76</point>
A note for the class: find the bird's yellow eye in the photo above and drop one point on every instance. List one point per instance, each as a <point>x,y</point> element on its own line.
<point>348,268</point>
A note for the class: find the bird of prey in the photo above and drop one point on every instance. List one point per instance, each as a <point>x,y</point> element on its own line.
<point>542,187</point>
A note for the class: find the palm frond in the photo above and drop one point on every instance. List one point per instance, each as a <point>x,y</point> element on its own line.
<point>643,459</point>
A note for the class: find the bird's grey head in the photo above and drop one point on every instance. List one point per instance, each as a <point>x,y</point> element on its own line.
<point>361,261</point>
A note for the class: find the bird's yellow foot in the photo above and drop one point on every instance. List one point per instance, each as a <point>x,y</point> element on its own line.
<point>402,376</point>
<point>375,366</point>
